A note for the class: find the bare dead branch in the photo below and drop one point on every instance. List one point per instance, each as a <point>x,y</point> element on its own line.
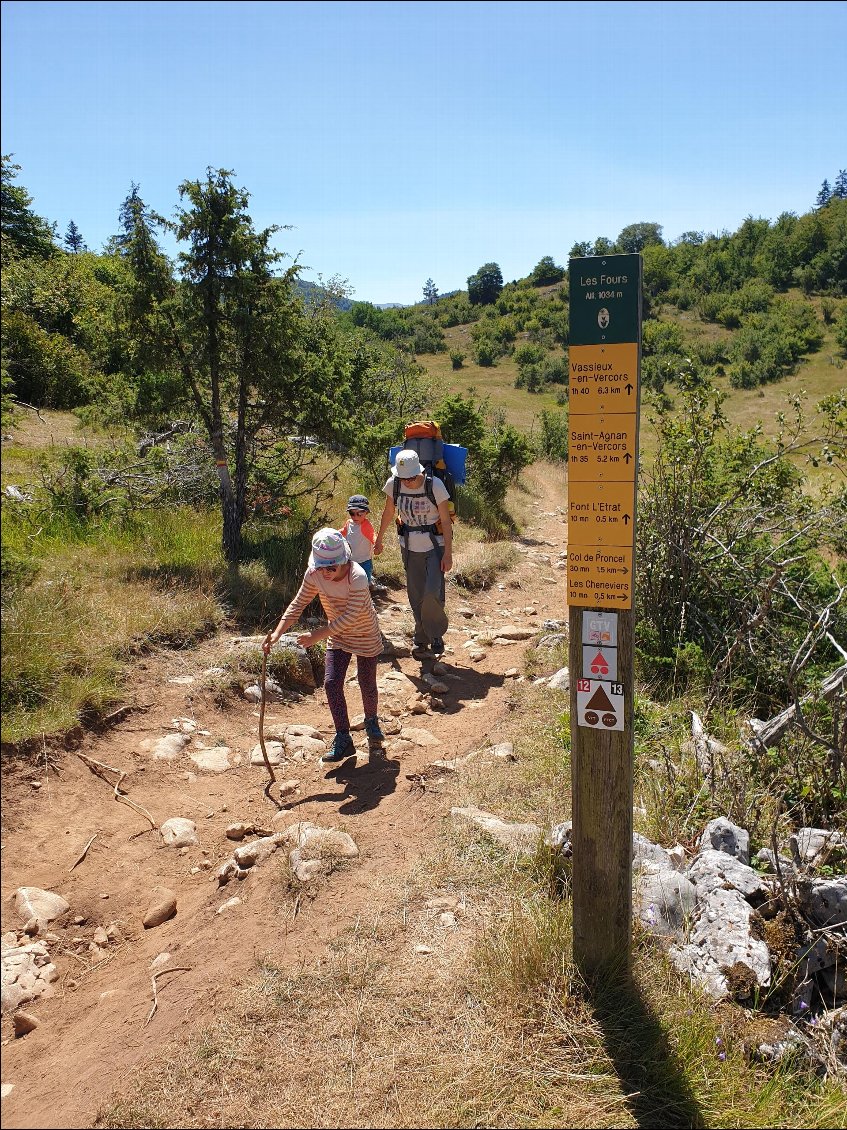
<point>775,728</point>
<point>99,769</point>
<point>32,408</point>
<point>176,428</point>
<point>161,973</point>
<point>84,853</point>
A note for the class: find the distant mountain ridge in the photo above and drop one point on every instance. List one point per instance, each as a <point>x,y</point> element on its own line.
<point>311,290</point>
<point>314,290</point>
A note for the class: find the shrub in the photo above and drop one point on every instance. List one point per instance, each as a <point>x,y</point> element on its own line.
<point>713,512</point>
<point>553,441</point>
<point>47,369</point>
<point>528,353</point>
<point>841,329</point>
<point>829,306</point>
<point>487,352</point>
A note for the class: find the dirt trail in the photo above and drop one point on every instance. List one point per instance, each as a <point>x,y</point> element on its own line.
<point>95,1029</point>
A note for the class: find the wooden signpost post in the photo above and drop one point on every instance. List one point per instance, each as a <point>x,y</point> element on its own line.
<point>605,359</point>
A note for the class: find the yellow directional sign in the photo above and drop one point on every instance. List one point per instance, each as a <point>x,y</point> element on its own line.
<point>603,378</point>
<point>600,576</point>
<point>602,448</point>
<point>601,513</point>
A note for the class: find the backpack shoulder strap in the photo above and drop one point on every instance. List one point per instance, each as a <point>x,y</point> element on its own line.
<point>430,490</point>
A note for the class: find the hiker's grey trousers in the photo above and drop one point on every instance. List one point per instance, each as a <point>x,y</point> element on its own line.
<point>425,589</point>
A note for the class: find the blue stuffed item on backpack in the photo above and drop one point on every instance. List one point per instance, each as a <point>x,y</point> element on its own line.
<point>454,456</point>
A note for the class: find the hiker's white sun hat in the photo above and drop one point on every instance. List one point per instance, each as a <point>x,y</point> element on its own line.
<point>407,465</point>
<point>328,548</point>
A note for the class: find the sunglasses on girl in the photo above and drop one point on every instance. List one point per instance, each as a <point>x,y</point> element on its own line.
<point>356,513</point>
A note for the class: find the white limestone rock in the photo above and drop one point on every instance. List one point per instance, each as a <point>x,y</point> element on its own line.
<point>178,832</point>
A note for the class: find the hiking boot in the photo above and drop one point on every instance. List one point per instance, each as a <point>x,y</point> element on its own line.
<point>342,747</point>
<point>375,735</point>
<point>421,651</point>
<point>437,646</point>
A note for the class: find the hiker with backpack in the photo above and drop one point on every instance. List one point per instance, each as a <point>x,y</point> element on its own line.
<point>352,629</point>
<point>419,502</point>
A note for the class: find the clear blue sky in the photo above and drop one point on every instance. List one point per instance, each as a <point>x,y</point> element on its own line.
<point>404,141</point>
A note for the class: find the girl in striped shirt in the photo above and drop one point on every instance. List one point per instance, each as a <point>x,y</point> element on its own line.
<point>352,629</point>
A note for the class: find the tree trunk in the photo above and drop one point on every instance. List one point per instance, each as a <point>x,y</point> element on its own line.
<point>232,502</point>
<point>233,520</point>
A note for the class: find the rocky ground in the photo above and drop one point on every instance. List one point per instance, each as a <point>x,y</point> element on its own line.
<point>111,1001</point>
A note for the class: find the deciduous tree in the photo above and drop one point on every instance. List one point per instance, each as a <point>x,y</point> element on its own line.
<point>635,237</point>
<point>546,271</point>
<point>24,233</point>
<point>484,287</point>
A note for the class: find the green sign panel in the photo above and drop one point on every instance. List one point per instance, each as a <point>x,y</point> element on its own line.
<point>605,296</point>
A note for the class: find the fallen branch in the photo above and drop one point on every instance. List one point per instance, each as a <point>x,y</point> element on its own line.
<point>119,715</point>
<point>774,729</point>
<point>161,973</point>
<point>98,768</point>
<point>32,408</point>
<point>84,852</point>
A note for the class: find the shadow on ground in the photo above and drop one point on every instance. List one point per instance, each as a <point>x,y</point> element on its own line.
<point>657,1094</point>
<point>365,784</point>
<point>469,684</point>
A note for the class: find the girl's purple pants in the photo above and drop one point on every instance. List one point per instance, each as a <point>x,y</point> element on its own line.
<point>337,662</point>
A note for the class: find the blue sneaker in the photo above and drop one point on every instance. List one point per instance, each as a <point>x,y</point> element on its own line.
<point>342,747</point>
<point>375,735</point>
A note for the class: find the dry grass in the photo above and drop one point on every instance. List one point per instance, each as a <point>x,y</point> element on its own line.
<point>478,564</point>
<point>32,434</point>
<point>380,1033</point>
<point>474,1015</point>
<point>67,636</point>
<point>497,382</point>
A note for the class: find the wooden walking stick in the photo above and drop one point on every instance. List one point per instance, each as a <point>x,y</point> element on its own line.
<point>268,765</point>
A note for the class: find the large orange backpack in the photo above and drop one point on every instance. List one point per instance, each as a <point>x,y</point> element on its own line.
<point>424,437</point>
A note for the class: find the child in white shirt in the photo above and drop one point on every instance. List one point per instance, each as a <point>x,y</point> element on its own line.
<point>359,533</point>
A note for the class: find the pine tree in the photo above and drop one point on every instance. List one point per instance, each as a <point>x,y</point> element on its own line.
<point>73,239</point>
<point>839,189</point>
<point>824,196</point>
<point>430,291</point>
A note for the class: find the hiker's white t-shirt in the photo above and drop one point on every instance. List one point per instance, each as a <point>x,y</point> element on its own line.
<point>360,538</point>
<point>415,509</point>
